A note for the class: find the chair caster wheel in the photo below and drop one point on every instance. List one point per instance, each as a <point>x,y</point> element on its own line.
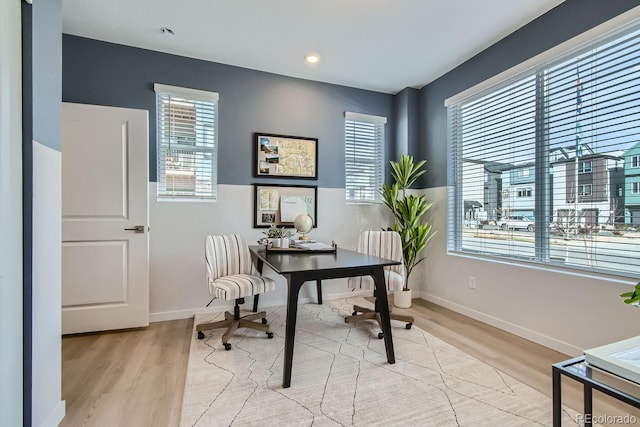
<point>200,335</point>
<point>408,325</point>
<point>380,335</point>
<point>227,346</point>
<point>264,320</point>
<point>269,335</point>
<point>355,313</point>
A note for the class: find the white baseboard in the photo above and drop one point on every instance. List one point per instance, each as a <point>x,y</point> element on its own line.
<point>190,312</point>
<point>55,417</point>
<point>536,337</point>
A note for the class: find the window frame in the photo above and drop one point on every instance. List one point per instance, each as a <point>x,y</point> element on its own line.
<point>377,154</point>
<point>582,166</point>
<point>523,192</point>
<point>582,190</point>
<point>204,142</point>
<point>625,23</point>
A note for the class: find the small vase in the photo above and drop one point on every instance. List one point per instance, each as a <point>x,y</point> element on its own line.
<point>402,298</point>
<point>285,242</point>
<point>276,243</point>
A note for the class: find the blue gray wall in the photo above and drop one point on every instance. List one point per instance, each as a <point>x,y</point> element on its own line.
<point>41,110</point>
<point>27,210</point>
<point>556,26</point>
<point>47,73</point>
<point>251,101</point>
<point>407,112</point>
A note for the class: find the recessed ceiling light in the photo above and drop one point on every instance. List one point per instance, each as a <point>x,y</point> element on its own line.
<point>168,31</point>
<point>312,58</point>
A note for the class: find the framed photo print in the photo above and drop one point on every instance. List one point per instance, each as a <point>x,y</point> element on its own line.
<point>284,156</point>
<point>281,204</point>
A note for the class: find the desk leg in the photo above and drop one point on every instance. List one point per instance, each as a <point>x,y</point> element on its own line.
<point>319,289</point>
<point>295,283</point>
<point>557,398</point>
<point>588,405</point>
<point>259,266</point>
<point>383,305</point>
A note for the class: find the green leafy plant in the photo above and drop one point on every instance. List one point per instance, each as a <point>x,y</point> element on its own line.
<point>273,232</point>
<point>632,297</point>
<point>408,210</point>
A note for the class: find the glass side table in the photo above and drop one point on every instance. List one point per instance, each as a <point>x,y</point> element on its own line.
<point>591,379</point>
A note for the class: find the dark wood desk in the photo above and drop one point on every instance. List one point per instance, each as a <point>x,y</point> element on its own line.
<point>299,268</point>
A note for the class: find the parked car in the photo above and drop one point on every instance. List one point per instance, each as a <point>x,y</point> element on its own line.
<point>517,222</point>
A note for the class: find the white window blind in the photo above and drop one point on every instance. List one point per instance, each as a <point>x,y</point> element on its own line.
<point>570,122</point>
<point>187,143</point>
<point>364,157</point>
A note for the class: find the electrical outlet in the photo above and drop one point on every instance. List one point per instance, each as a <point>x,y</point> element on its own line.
<point>472,282</point>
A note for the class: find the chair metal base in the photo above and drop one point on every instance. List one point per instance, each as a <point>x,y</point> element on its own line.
<point>232,323</point>
<point>369,314</point>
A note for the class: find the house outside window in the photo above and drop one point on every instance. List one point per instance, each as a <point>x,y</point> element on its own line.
<point>545,115</point>
<point>187,143</point>
<point>364,157</point>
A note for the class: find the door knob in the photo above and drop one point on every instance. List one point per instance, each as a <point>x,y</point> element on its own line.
<point>136,228</point>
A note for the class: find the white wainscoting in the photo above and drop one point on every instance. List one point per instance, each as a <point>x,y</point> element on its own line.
<point>566,312</point>
<point>563,311</point>
<point>48,408</point>
<point>178,229</point>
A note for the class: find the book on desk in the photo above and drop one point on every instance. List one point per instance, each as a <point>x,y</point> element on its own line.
<point>305,246</point>
<point>621,358</point>
<point>312,245</point>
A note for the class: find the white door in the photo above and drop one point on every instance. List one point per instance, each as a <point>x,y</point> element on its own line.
<point>105,241</point>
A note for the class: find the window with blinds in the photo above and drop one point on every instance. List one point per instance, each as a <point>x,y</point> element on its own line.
<point>187,143</point>
<point>364,157</point>
<point>553,146</point>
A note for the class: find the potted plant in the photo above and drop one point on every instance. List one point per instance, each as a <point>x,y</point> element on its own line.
<point>285,237</point>
<point>632,297</point>
<point>278,237</point>
<point>408,210</point>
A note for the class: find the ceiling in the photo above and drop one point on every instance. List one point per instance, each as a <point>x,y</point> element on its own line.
<point>380,45</point>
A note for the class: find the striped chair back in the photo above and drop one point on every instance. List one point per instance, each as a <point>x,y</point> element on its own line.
<point>382,244</point>
<point>227,255</point>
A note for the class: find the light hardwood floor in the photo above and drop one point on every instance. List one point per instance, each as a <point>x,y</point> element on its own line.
<point>136,377</point>
<point>126,378</point>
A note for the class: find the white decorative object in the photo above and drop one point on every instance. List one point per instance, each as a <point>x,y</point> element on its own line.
<point>276,243</point>
<point>620,358</point>
<point>291,207</point>
<point>303,224</point>
<point>402,298</point>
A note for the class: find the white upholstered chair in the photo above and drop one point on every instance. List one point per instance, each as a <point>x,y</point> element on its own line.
<point>382,244</point>
<point>232,276</point>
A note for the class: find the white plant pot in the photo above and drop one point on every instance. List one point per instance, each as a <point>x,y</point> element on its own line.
<point>276,243</point>
<point>402,299</point>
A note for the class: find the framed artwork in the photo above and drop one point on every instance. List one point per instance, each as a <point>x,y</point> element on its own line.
<point>281,204</point>
<point>284,156</point>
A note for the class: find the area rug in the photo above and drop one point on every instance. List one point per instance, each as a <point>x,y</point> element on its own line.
<point>340,377</point>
